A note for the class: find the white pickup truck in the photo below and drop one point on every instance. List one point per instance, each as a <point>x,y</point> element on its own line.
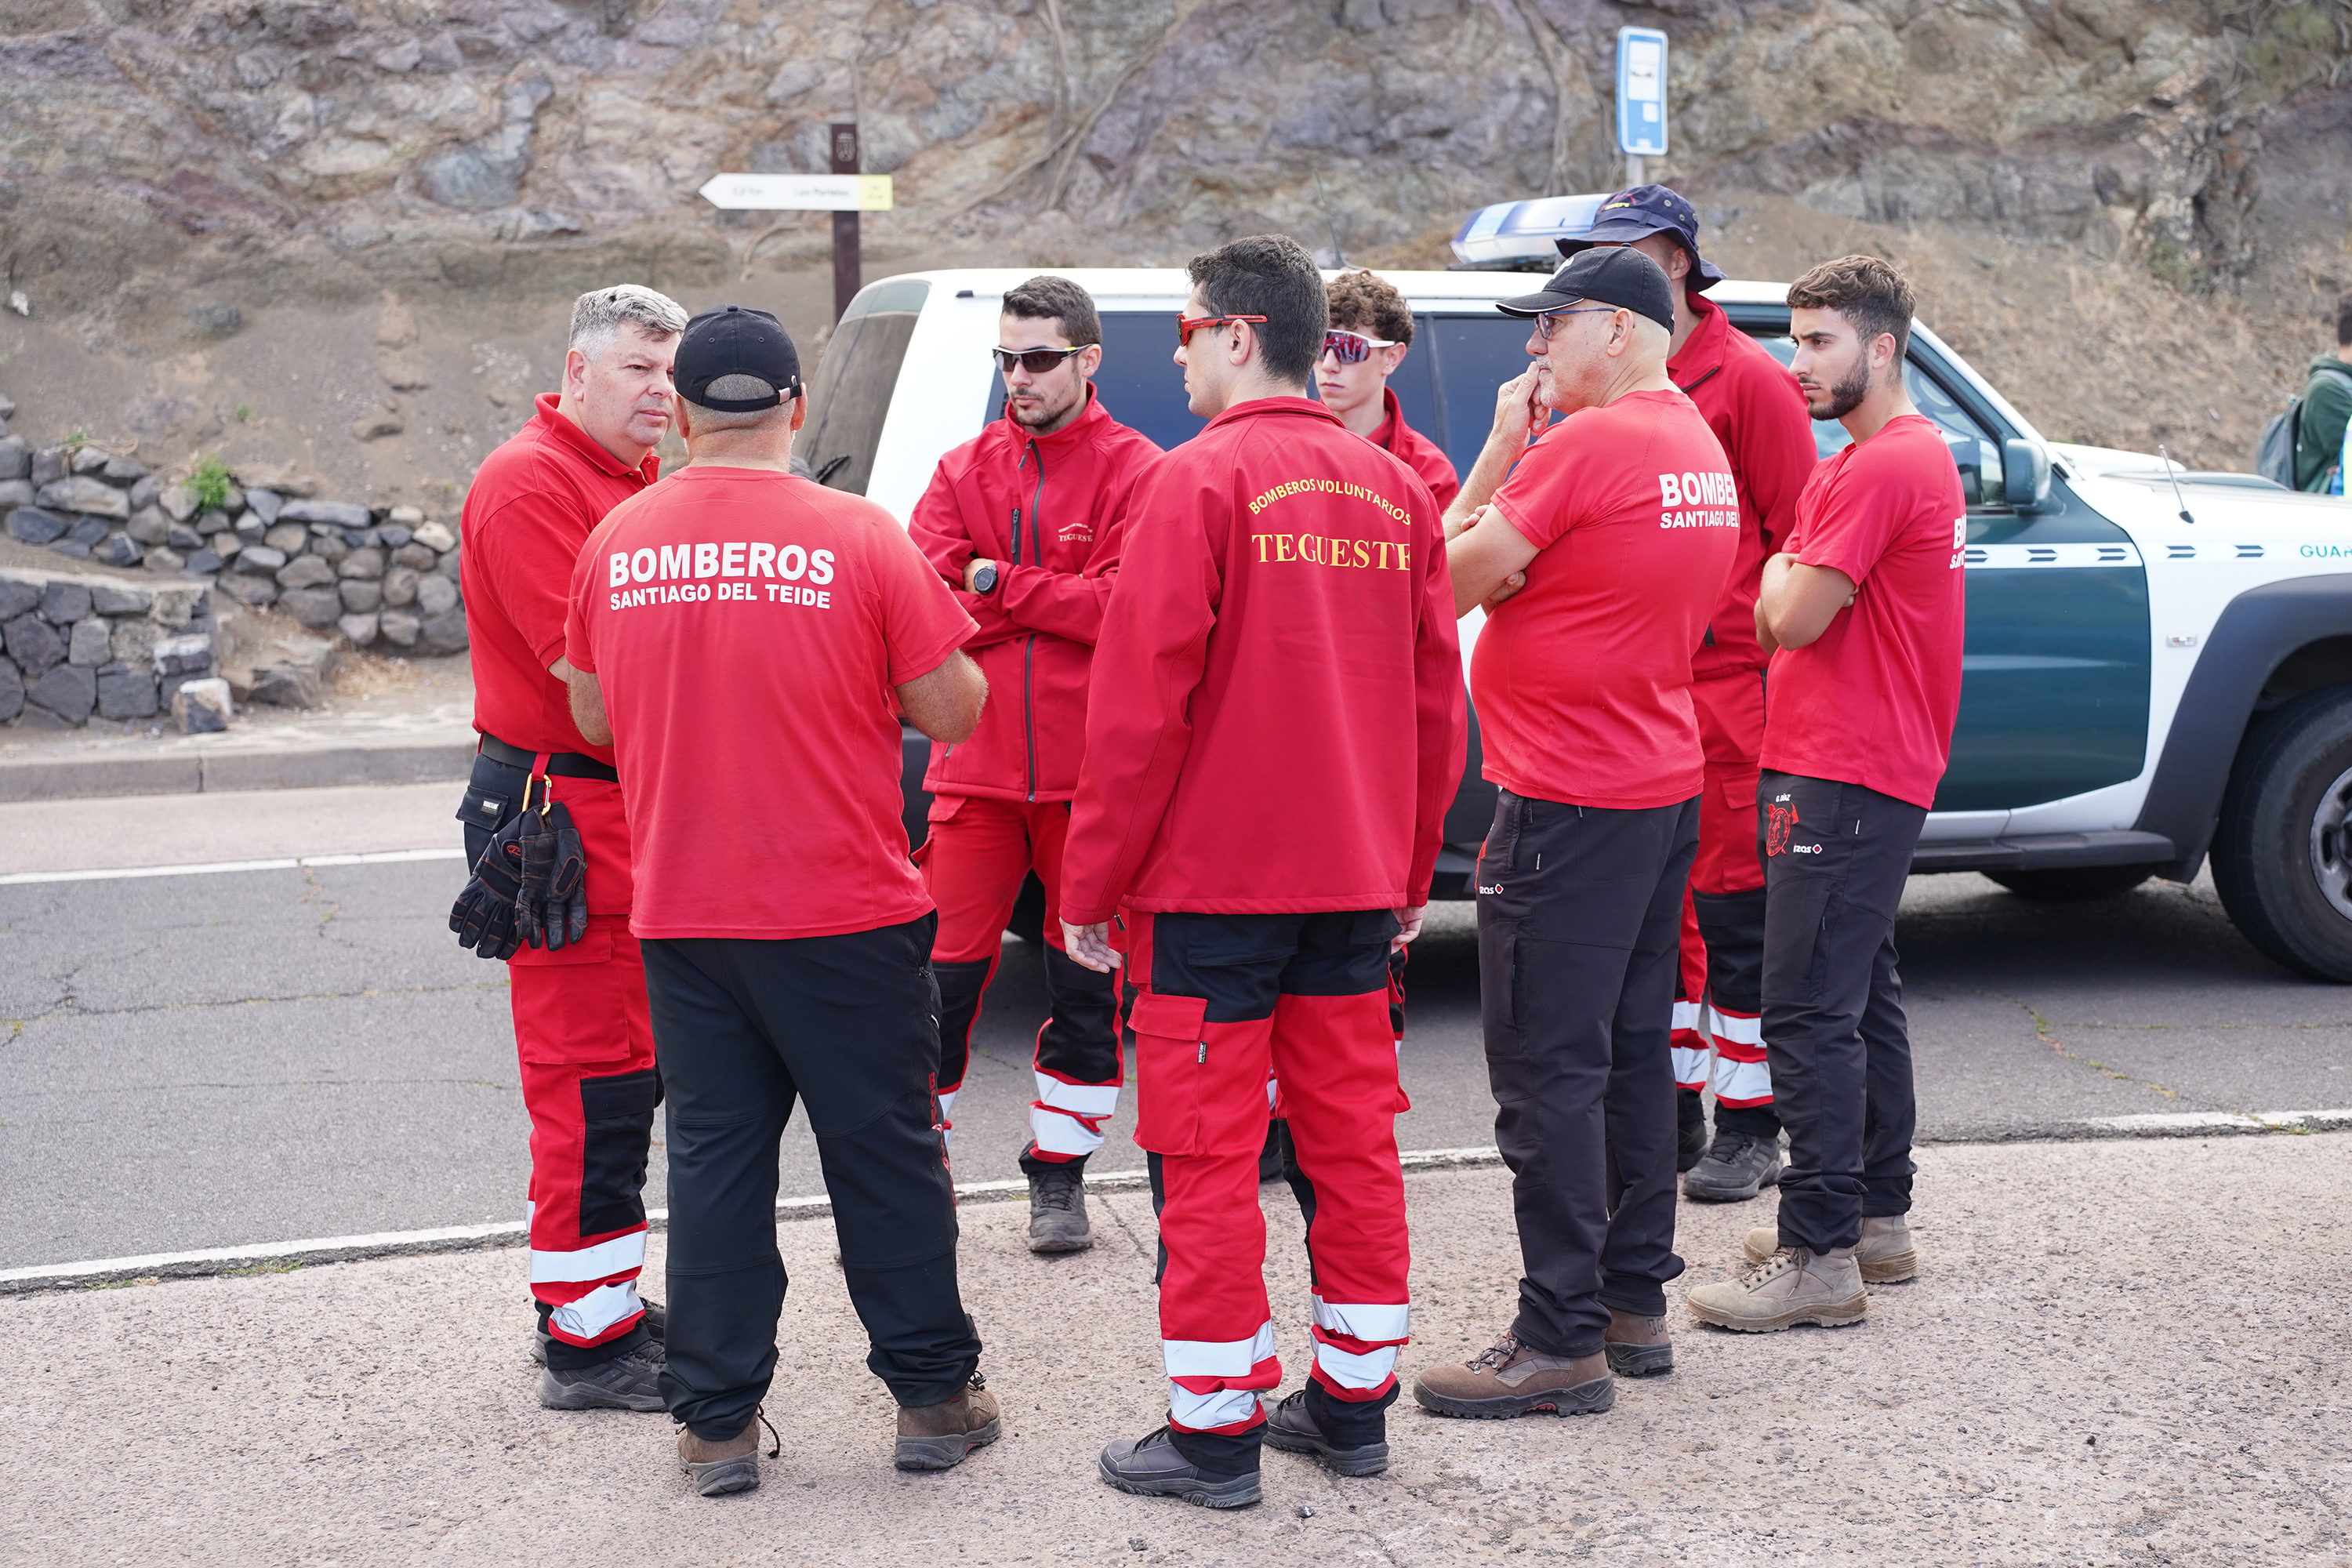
<point>2158,666</point>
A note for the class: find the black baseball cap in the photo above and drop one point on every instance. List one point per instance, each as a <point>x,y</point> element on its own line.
<point>1608,276</point>
<point>1639,213</point>
<point>734,340</point>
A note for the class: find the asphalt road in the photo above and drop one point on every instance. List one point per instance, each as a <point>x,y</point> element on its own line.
<point>233,1057</point>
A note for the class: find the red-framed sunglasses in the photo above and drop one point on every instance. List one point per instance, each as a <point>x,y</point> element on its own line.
<point>1187,325</point>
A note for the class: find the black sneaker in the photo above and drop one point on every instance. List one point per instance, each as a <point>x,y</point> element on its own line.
<point>657,1322</point>
<point>1737,1168</point>
<point>1291,1428</point>
<point>1057,1209</point>
<point>1154,1467</point>
<point>627,1382</point>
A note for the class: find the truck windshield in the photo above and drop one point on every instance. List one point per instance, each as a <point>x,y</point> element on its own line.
<point>852,392</point>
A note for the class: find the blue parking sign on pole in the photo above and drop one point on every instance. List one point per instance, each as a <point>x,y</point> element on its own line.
<point>1642,92</point>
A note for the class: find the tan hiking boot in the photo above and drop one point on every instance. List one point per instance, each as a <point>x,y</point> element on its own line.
<point>1791,1287</point>
<point>1637,1347</point>
<point>727,1465</point>
<point>1885,1256</point>
<point>1509,1379</point>
<point>937,1437</point>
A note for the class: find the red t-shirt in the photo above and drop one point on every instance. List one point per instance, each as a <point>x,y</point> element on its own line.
<point>1417,452</point>
<point>747,628</point>
<point>533,503</point>
<point>1873,701</point>
<point>1581,680</point>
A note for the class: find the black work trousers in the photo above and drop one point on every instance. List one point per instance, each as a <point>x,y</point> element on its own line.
<point>1835,860</point>
<point>1580,928</point>
<point>849,1023</point>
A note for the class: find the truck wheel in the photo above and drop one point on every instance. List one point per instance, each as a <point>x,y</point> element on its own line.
<point>2283,852</point>
<point>2069,883</point>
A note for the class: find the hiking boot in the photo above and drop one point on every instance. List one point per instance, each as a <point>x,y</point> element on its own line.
<point>1791,1287</point>
<point>1057,1210</point>
<point>1690,1128</point>
<point>1152,1466</point>
<point>1885,1256</point>
<point>1291,1427</point>
<point>732,1465</point>
<point>631,1381</point>
<point>655,1323</point>
<point>937,1437</point>
<point>1635,1346</point>
<point>1509,1379</point>
<point>1737,1168</point>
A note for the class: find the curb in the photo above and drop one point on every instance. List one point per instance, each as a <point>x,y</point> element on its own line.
<point>226,768</point>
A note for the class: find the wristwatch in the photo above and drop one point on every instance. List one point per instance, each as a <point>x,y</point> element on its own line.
<point>984,580</point>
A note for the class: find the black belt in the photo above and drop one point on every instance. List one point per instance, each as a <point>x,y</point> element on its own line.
<point>560,764</point>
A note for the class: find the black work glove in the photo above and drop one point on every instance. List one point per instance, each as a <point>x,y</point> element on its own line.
<point>552,910</point>
<point>565,909</point>
<point>484,915</point>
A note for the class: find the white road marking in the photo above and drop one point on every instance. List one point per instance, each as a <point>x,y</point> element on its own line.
<point>2219,1120</point>
<point>380,1242</point>
<point>209,867</point>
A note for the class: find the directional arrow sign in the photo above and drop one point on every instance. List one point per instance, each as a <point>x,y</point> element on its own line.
<point>799,192</point>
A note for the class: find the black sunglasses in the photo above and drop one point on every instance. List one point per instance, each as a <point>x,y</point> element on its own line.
<point>1037,361</point>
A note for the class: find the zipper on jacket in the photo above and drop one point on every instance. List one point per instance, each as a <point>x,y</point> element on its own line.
<point>1029,647</point>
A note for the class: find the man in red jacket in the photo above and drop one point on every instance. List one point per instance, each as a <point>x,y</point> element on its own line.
<point>582,1034</point>
<point>1025,517</point>
<point>1751,403</point>
<point>1275,733</point>
<point>1370,332</point>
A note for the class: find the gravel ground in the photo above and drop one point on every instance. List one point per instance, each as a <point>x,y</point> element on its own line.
<point>2115,1354</point>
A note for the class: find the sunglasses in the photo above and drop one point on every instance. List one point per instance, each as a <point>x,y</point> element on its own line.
<point>1353,348</point>
<point>1187,325</point>
<point>1037,361</point>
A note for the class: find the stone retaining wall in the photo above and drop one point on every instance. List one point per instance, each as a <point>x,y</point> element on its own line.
<point>79,646</point>
<point>381,577</point>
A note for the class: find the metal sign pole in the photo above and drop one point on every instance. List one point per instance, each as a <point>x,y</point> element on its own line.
<point>847,268</point>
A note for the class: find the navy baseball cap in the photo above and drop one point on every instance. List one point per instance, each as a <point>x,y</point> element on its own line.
<point>733,340</point>
<point>1639,213</point>
<point>1609,276</point>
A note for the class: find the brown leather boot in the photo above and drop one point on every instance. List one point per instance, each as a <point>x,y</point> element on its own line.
<point>726,1465</point>
<point>1509,1379</point>
<point>1792,1287</point>
<point>937,1437</point>
<point>1637,1347</point>
<point>1885,1257</point>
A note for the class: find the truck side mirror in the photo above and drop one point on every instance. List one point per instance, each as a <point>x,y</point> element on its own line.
<point>2025,474</point>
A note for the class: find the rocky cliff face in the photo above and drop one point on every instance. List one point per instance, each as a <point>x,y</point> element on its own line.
<point>313,178</point>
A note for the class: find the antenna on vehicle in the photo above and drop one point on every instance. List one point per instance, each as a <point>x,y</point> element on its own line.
<point>1339,256</point>
<point>2168,474</point>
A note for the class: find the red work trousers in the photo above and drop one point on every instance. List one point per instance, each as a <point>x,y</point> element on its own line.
<point>1720,997</point>
<point>979,851</point>
<point>1217,1002</point>
<point>584,1045</point>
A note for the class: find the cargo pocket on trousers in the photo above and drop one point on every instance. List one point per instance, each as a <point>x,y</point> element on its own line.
<point>617,1115</point>
<point>1498,1000</point>
<point>1167,1035</point>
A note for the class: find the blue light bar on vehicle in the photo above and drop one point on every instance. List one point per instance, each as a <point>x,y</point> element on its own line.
<point>1524,231</point>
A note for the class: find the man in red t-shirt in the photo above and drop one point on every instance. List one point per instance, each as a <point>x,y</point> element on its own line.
<point>585,1049</point>
<point>1275,732</point>
<point>1026,518</point>
<point>1751,403</point>
<point>1620,521</point>
<point>1864,614</point>
<point>737,634</point>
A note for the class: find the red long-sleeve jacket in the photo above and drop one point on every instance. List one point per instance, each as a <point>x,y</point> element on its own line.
<point>1050,511</point>
<point>1277,720</point>
<point>1751,403</point>
<point>1417,452</point>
